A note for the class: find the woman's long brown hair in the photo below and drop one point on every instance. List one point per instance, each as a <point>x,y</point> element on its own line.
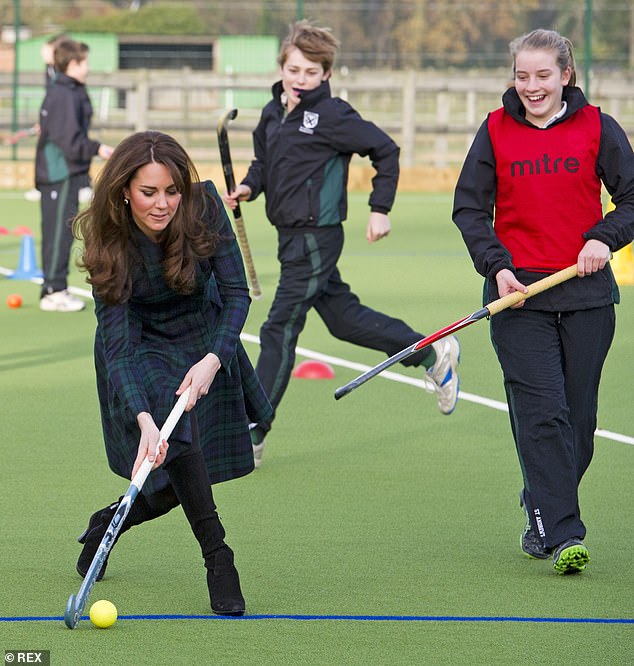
<point>105,226</point>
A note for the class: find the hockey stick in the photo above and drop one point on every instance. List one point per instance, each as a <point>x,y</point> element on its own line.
<point>227,168</point>
<point>77,603</point>
<point>489,310</point>
<point>16,137</point>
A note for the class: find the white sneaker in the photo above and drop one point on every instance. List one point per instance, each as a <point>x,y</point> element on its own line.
<point>84,195</point>
<point>443,375</point>
<point>61,301</point>
<point>33,195</point>
<point>258,450</point>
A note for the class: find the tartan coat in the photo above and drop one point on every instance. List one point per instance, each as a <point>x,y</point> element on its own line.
<point>144,347</point>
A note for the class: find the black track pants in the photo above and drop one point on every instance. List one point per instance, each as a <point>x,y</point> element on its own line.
<point>309,278</point>
<point>58,205</point>
<point>552,366</point>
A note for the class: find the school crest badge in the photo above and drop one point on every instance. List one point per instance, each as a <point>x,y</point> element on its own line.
<point>311,120</point>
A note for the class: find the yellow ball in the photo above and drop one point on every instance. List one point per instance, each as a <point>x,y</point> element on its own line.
<point>103,614</point>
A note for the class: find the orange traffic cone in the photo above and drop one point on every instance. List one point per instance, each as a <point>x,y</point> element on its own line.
<point>27,268</point>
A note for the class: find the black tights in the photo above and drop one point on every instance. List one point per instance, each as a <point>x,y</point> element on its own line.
<point>190,487</point>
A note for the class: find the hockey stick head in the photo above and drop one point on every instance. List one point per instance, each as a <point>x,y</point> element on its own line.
<point>77,602</point>
<point>224,121</point>
<point>225,152</point>
<point>71,615</point>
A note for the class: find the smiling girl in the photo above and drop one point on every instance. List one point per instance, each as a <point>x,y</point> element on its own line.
<point>528,202</point>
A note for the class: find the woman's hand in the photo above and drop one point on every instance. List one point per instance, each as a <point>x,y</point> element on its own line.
<point>509,284</point>
<point>200,377</point>
<point>147,443</point>
<point>593,257</point>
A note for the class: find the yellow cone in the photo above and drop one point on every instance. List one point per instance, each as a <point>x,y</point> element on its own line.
<point>622,262</point>
<point>623,265</point>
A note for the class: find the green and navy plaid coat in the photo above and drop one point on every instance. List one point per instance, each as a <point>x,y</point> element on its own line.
<point>144,347</point>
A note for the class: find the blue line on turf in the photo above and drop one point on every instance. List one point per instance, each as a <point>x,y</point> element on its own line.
<point>352,618</point>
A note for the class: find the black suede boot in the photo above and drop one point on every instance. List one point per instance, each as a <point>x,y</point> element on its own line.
<point>223,583</point>
<point>91,538</point>
<point>188,475</point>
<point>142,509</point>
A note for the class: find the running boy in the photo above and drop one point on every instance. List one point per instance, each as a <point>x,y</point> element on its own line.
<point>303,145</point>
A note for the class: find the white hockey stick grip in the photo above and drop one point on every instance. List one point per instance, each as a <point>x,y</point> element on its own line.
<point>166,431</point>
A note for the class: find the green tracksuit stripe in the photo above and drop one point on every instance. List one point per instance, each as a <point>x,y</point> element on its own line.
<point>59,223</point>
<point>298,311</point>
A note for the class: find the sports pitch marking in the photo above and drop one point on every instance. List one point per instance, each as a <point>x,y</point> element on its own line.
<point>360,367</point>
<point>392,376</point>
<point>350,618</point>
<point>421,383</point>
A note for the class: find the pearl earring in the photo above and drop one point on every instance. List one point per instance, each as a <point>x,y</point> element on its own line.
<point>125,201</point>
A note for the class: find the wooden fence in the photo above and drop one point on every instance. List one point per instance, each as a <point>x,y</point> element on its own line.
<point>432,115</point>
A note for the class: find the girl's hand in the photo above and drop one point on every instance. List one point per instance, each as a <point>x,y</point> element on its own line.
<point>200,377</point>
<point>147,443</point>
<point>593,257</point>
<point>509,284</point>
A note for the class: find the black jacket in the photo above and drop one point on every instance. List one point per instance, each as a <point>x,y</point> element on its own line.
<point>302,159</point>
<point>63,147</point>
<point>474,202</point>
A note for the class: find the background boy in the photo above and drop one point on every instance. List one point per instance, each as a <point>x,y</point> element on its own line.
<point>62,161</point>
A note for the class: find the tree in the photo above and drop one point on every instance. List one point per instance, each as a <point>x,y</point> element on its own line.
<point>373,33</point>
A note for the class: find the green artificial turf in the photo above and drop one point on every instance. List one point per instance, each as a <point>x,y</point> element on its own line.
<point>377,530</point>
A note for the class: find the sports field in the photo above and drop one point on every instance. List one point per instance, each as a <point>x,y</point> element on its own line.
<point>377,531</point>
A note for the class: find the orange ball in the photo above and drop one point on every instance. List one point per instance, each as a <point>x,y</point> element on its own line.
<point>14,300</point>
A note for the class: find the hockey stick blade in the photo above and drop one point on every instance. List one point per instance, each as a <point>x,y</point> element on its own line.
<point>489,310</point>
<point>77,603</point>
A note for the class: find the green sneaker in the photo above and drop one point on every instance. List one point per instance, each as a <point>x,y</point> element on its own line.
<point>570,557</point>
